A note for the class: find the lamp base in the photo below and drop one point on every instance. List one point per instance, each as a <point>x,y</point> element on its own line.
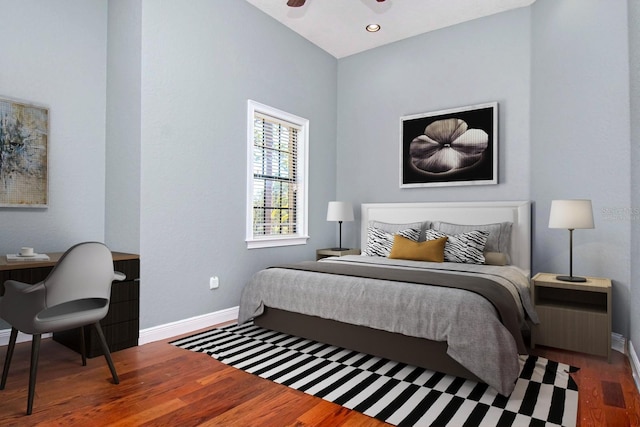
<point>571,279</point>
<point>339,249</point>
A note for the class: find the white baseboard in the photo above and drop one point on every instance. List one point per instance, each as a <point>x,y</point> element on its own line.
<point>635,365</point>
<point>160,332</point>
<point>185,326</point>
<point>618,343</point>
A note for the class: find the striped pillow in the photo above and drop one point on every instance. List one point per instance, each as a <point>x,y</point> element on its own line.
<point>464,248</point>
<point>499,239</point>
<point>380,242</point>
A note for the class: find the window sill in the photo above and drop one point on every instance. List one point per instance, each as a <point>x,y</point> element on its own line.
<point>276,242</point>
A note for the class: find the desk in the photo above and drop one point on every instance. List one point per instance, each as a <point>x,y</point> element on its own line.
<point>121,325</point>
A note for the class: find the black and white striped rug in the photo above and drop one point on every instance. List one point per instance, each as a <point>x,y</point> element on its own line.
<point>396,393</point>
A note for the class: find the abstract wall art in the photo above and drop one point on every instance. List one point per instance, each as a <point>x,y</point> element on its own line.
<point>24,139</point>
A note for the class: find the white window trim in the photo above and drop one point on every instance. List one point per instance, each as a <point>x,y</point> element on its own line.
<point>301,237</point>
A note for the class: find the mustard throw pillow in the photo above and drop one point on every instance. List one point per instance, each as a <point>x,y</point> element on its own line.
<point>431,250</point>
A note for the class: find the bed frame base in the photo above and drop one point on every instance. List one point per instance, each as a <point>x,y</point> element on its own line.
<point>414,351</point>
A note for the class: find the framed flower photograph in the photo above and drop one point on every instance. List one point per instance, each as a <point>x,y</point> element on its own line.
<point>451,147</point>
<point>24,139</point>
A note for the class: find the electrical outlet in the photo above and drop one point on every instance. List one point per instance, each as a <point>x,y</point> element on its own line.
<point>214,282</point>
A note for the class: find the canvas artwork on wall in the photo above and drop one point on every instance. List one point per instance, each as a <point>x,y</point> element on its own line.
<point>458,146</point>
<point>24,134</point>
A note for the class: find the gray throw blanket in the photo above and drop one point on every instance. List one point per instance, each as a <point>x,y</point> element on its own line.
<point>497,294</point>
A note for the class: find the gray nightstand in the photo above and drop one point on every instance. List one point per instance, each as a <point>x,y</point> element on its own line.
<point>573,316</point>
<point>324,253</point>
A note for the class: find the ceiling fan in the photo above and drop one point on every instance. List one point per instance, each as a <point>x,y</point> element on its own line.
<point>298,3</point>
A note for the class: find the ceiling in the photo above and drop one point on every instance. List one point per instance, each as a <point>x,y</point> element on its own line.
<point>338,26</point>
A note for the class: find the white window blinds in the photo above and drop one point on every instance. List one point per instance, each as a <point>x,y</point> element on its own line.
<point>275,153</point>
<point>277,207</point>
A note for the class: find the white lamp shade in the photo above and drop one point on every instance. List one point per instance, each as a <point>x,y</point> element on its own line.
<point>340,211</point>
<point>571,214</point>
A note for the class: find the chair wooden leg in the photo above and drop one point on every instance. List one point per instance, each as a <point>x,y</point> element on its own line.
<point>107,354</point>
<point>83,350</point>
<point>35,353</point>
<point>7,359</point>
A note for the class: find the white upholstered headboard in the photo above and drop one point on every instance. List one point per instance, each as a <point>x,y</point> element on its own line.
<point>468,213</point>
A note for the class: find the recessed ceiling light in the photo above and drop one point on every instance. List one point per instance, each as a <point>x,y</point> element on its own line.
<point>372,28</point>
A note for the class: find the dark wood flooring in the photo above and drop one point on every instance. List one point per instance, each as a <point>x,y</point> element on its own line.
<point>161,385</point>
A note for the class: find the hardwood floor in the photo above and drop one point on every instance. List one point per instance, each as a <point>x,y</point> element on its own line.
<point>606,391</point>
<point>161,385</point>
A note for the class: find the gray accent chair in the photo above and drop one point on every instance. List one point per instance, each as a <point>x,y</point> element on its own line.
<point>76,293</point>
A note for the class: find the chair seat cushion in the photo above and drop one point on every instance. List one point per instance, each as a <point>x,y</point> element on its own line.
<point>72,314</point>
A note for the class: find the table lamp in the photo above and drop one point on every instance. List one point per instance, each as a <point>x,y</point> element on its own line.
<point>340,211</point>
<point>571,214</point>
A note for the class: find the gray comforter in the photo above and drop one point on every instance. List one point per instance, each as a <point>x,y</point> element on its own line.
<point>466,321</point>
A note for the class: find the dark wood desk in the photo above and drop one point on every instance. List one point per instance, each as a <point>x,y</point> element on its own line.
<point>121,325</point>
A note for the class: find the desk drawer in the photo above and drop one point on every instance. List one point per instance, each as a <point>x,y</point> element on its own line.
<point>128,290</point>
<point>121,312</point>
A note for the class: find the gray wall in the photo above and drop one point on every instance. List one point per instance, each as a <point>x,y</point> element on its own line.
<point>480,61</point>
<point>563,94</point>
<point>199,67</point>
<point>170,95</point>
<point>122,222</point>
<point>580,138</point>
<point>54,54</point>
<point>166,84</point>
<point>634,60</point>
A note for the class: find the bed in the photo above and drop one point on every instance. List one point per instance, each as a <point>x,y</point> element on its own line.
<point>459,318</point>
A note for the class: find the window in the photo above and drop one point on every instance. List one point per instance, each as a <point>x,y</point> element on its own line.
<point>277,177</point>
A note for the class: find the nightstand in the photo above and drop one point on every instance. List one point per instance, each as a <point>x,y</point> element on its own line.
<point>573,316</point>
<point>324,253</point>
